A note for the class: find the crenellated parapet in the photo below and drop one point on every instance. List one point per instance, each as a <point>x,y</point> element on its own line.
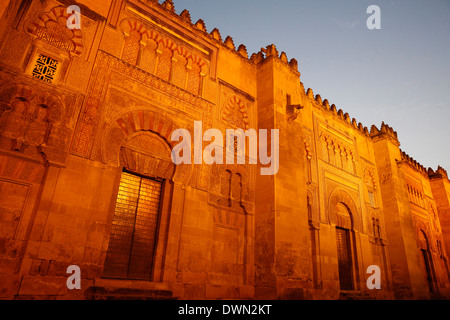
<point>185,15</point>
<point>271,51</point>
<point>242,50</point>
<point>230,43</point>
<point>384,131</point>
<point>438,174</point>
<point>200,27</point>
<point>338,113</point>
<point>413,163</point>
<point>429,173</point>
<point>168,5</point>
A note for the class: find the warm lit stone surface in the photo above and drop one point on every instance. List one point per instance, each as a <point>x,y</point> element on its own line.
<point>113,93</point>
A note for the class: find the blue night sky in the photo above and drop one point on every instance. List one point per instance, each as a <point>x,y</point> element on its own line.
<point>399,74</point>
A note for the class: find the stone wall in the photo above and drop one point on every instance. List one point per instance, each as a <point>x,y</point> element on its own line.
<point>79,107</point>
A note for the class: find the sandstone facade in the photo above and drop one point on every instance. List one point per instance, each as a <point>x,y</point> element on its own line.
<point>83,110</point>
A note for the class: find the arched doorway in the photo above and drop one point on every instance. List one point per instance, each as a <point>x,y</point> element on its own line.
<point>343,244</point>
<point>425,255</point>
<point>146,161</point>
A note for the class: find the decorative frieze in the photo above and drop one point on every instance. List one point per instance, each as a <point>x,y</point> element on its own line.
<point>337,152</point>
<point>34,123</point>
<point>90,115</point>
<point>51,27</point>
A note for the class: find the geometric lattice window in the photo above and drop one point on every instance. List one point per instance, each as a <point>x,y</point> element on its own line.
<point>131,48</point>
<point>45,68</point>
<point>193,84</point>
<point>134,229</point>
<point>165,64</point>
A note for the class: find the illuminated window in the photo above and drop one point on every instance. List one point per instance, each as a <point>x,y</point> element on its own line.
<point>134,229</point>
<point>45,68</point>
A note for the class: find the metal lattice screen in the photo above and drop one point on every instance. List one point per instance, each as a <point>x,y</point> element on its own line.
<point>134,229</point>
<point>45,68</point>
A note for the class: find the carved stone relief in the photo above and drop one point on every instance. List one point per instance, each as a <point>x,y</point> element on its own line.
<point>34,122</point>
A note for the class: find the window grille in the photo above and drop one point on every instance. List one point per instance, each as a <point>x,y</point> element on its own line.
<point>45,68</point>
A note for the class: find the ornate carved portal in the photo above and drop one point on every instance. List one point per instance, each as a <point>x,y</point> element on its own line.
<point>88,135</point>
<point>338,197</point>
<point>140,141</point>
<point>147,154</point>
<point>134,229</point>
<point>131,254</point>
